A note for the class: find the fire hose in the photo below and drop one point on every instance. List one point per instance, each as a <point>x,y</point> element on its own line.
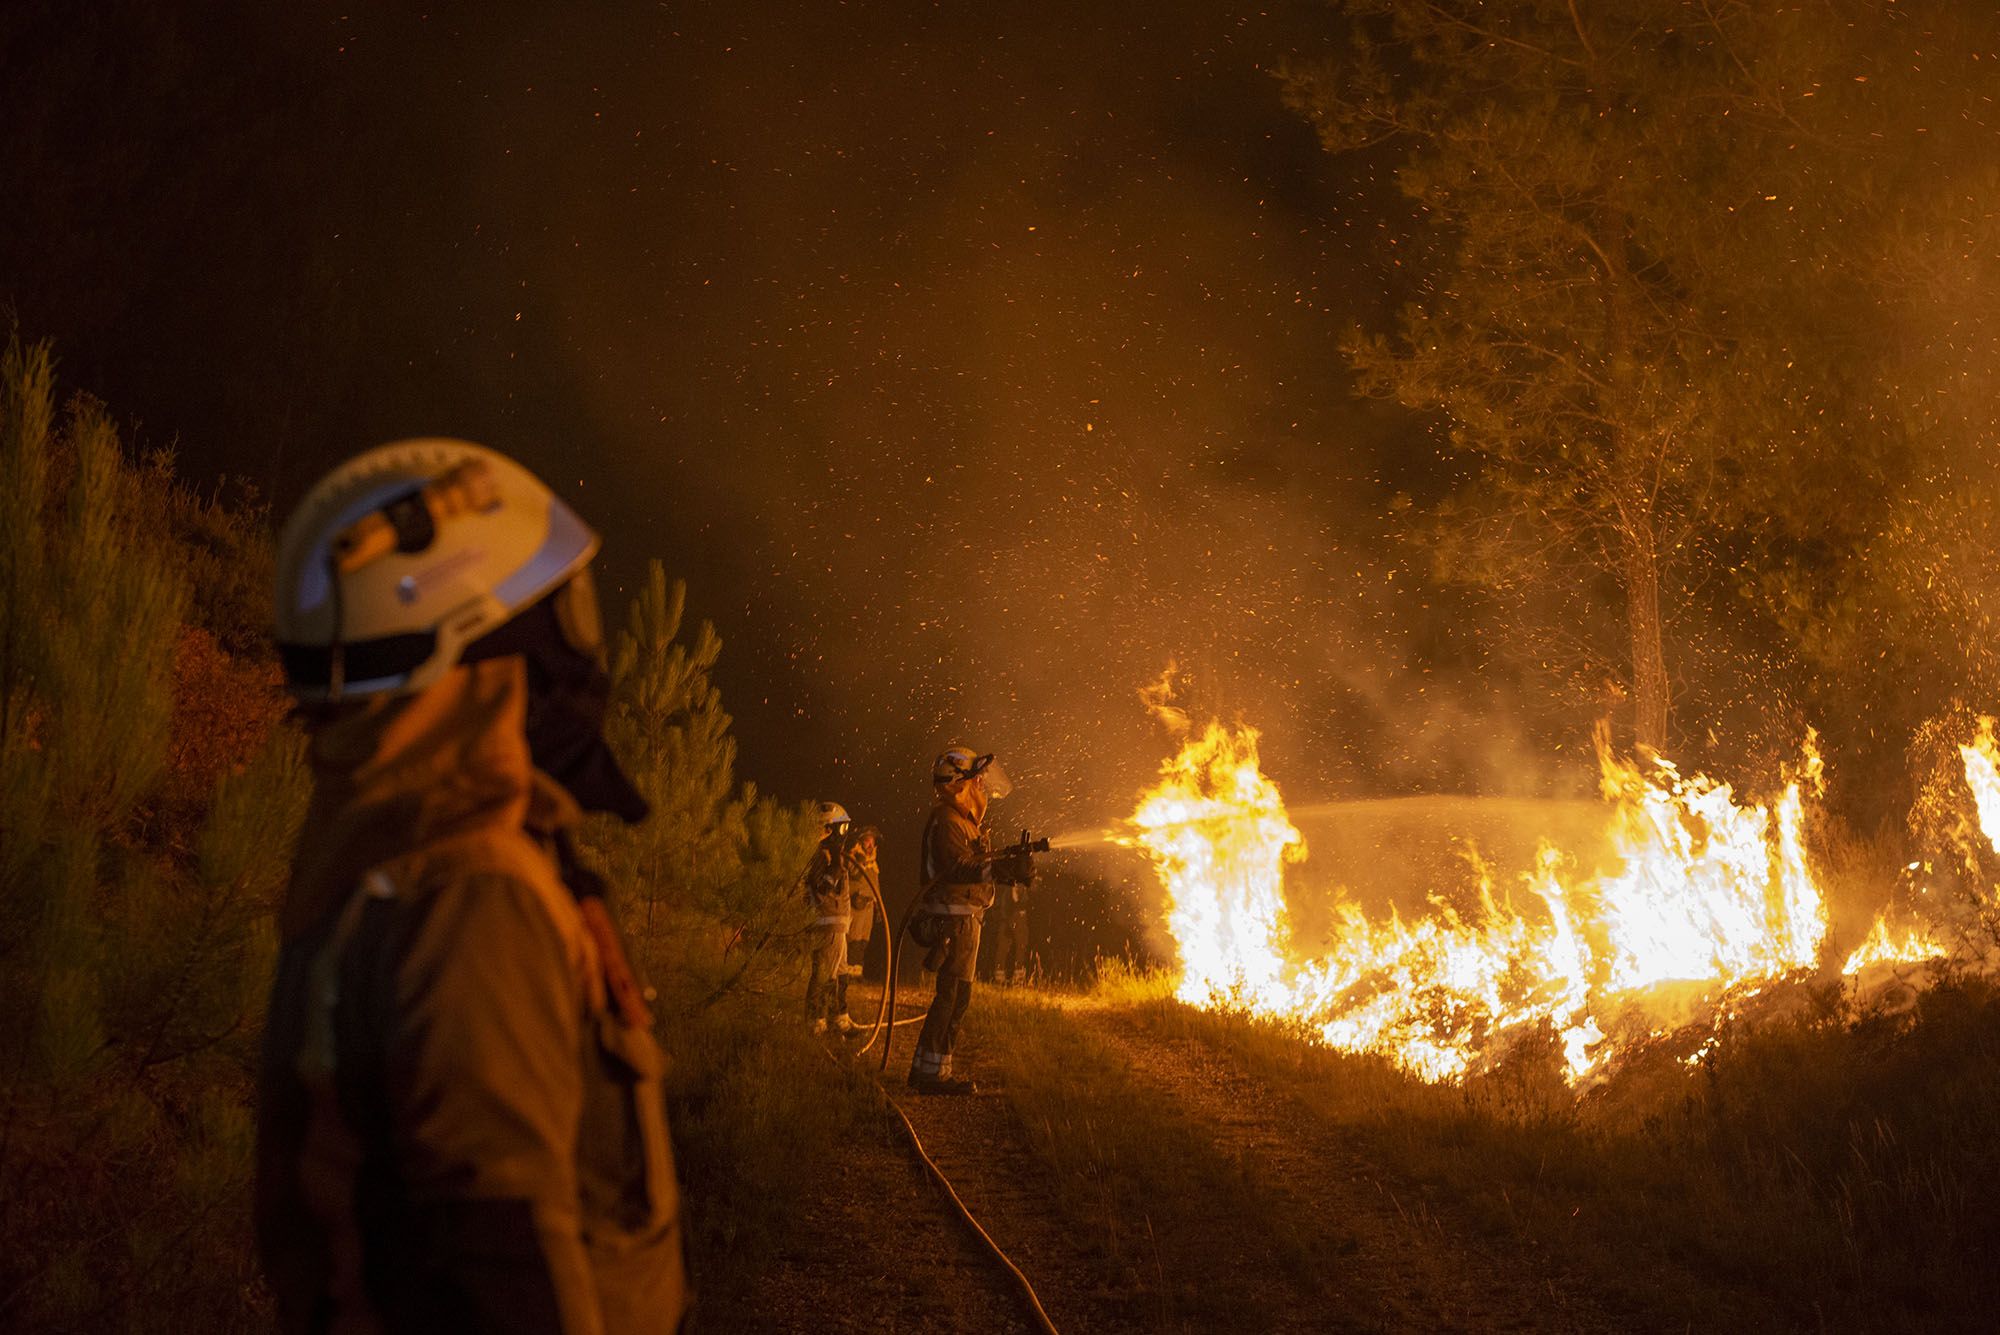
<point>1034,1300</point>
<point>884,1028</point>
<point>1021,1281</point>
<point>888,1003</point>
<point>885,1006</point>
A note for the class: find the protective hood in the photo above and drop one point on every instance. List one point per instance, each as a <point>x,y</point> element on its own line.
<point>561,639</point>
<point>400,773</point>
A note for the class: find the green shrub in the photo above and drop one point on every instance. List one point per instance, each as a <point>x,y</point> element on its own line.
<point>135,891</point>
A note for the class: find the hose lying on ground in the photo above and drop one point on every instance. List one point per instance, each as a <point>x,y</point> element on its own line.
<point>1040,1313</point>
<point>1021,1281</point>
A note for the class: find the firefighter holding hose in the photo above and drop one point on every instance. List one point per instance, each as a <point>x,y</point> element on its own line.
<point>827,894</point>
<point>959,879</point>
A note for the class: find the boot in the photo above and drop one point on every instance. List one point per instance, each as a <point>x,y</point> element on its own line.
<point>844,1024</point>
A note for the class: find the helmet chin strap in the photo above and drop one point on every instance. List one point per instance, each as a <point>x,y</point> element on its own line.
<point>336,650</point>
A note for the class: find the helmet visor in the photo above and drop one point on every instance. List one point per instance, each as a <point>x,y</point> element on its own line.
<point>996,780</point>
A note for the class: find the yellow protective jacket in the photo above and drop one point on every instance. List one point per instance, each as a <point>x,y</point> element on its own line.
<point>864,886</point>
<point>958,881</point>
<point>458,1128</point>
<point>825,886</point>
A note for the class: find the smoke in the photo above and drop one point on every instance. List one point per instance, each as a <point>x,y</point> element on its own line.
<point>994,370</point>
<point>968,364</point>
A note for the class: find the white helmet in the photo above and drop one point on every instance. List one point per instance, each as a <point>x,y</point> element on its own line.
<point>402,557</point>
<point>834,817</point>
<point>959,764</point>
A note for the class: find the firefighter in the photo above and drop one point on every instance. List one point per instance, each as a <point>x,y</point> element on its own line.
<point>959,876</point>
<point>460,1123</point>
<point>831,902</point>
<point>864,885</point>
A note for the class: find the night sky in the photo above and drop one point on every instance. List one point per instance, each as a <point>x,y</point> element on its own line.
<point>970,363</point>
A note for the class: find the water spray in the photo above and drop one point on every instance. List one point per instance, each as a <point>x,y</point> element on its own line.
<point>1079,839</point>
<point>1125,835</point>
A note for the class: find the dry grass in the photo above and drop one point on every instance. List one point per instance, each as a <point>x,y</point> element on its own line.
<point>751,1098</point>
<point>1137,1182</point>
<point>1842,1171</point>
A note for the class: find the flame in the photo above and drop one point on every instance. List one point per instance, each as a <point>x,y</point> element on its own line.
<point>1712,900</point>
<point>1916,942</point>
<point>1711,895</point>
<point>1217,830</point>
<point>1913,944</point>
<point>1982,775</point>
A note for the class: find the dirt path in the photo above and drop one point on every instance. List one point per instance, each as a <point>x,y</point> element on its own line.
<point>876,1248</point>
<point>1337,1244</point>
<point>1360,1253</point>
<point>1406,1264</point>
<point>976,1141</point>
<point>978,1144</point>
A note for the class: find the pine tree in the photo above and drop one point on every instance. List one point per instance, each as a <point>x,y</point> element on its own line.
<point>669,728</point>
<point>1630,231</point>
<point>86,659</point>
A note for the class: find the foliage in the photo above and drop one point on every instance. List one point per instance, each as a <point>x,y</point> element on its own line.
<point>134,916</point>
<point>668,727</point>
<point>1657,249</point>
<point>709,842</point>
<point>1903,628</point>
<point>750,1098</point>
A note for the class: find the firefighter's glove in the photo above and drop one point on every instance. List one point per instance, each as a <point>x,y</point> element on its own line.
<point>1014,869</point>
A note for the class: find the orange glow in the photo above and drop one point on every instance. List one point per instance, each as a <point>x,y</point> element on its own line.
<point>1711,899</point>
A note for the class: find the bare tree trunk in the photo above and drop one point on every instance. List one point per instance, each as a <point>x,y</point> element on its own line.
<point>1638,527</point>
<point>1650,693</point>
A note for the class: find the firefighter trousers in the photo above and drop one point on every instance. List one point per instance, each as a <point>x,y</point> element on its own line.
<point>825,995</point>
<point>954,993</point>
